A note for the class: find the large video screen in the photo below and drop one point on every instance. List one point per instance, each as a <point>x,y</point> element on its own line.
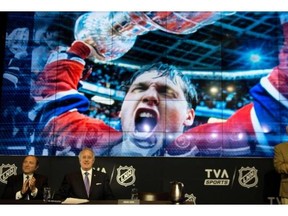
<point>143,84</point>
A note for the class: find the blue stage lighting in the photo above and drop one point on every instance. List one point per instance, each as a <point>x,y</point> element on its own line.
<point>255,57</point>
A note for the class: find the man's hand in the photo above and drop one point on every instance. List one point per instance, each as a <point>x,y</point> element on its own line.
<point>25,187</point>
<point>94,52</point>
<point>32,184</point>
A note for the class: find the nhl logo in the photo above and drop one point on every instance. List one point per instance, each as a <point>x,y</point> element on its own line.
<point>125,175</point>
<point>7,170</point>
<point>190,198</point>
<point>248,177</point>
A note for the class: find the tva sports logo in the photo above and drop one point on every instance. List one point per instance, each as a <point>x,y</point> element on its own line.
<point>125,175</point>
<point>217,177</point>
<point>248,177</point>
<point>7,170</point>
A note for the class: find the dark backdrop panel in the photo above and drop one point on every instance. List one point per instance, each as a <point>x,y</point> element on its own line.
<point>209,180</point>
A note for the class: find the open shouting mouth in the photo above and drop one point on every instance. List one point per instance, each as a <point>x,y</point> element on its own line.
<point>145,123</point>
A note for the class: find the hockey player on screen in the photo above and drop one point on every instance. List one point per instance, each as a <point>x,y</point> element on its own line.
<point>158,105</point>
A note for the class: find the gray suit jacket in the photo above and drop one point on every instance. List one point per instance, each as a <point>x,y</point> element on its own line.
<point>281,166</point>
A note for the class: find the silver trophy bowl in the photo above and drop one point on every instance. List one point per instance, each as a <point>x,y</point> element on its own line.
<point>100,30</point>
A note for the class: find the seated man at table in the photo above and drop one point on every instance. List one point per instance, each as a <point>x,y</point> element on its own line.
<point>86,183</point>
<point>27,185</point>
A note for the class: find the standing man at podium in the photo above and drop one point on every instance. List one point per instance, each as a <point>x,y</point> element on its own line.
<point>281,167</point>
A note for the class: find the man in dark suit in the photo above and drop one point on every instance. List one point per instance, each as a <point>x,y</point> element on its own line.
<point>97,186</point>
<point>281,167</point>
<point>27,185</point>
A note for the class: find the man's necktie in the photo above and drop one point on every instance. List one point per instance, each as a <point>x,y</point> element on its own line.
<point>87,184</point>
<point>27,196</point>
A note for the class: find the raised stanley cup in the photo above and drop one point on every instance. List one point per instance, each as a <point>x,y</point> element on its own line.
<point>113,34</point>
<point>101,29</point>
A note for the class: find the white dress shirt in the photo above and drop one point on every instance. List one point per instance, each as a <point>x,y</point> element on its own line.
<point>33,193</point>
<point>89,176</point>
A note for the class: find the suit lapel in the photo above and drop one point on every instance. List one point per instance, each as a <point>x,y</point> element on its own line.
<point>93,183</point>
<point>82,185</point>
<point>19,181</point>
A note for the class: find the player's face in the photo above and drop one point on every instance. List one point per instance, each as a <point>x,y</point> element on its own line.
<point>86,159</point>
<point>155,105</point>
<point>29,165</point>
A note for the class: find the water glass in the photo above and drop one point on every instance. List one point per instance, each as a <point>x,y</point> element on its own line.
<point>134,193</point>
<point>46,194</point>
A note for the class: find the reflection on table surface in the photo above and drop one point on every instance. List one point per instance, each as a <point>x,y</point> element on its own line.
<point>91,202</point>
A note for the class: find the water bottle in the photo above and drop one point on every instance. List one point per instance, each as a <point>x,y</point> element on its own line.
<point>134,193</point>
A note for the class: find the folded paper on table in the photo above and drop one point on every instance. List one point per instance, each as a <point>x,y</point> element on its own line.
<point>71,200</point>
